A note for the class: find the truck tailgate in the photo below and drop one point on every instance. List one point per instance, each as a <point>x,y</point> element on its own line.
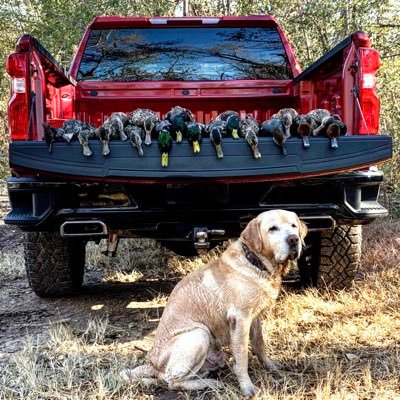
<point>124,163</point>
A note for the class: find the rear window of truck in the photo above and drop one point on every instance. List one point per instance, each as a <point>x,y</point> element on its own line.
<point>184,54</point>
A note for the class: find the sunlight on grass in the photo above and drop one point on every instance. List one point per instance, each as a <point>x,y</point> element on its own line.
<point>12,264</point>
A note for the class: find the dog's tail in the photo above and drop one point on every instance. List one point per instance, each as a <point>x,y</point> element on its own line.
<point>145,374</point>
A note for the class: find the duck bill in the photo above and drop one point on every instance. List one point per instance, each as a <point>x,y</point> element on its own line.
<point>196,147</point>
<point>179,136</point>
<point>235,134</point>
<point>147,140</point>
<point>316,131</point>
<point>164,160</point>
<point>106,148</point>
<point>218,149</point>
<point>122,136</point>
<point>86,150</point>
<point>67,137</point>
<point>256,152</point>
<point>138,147</point>
<point>306,142</point>
<point>334,143</point>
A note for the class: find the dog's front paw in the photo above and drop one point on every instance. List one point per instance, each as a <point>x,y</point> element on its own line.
<point>272,366</point>
<point>248,389</point>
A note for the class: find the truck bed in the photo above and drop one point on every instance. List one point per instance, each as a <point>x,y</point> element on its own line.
<point>123,163</point>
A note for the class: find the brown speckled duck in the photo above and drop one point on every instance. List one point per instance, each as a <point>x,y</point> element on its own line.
<point>275,127</point>
<point>302,127</point>
<point>135,134</point>
<point>216,130</point>
<point>250,128</point>
<point>286,115</point>
<point>112,128</point>
<point>232,120</point>
<point>146,119</point>
<point>317,116</point>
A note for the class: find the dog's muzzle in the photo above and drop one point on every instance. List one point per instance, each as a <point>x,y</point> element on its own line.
<point>294,248</point>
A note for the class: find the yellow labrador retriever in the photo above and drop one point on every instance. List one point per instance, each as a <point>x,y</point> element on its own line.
<point>221,304</point>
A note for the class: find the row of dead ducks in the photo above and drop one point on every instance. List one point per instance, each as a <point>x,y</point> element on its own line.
<point>179,123</point>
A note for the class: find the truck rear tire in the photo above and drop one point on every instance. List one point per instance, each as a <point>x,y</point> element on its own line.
<point>54,266</point>
<point>332,258</point>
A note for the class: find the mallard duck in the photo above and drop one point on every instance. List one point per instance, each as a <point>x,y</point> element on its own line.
<point>146,119</point>
<point>250,128</point>
<point>275,127</point>
<point>112,128</point>
<point>71,129</point>
<point>232,120</point>
<point>83,136</point>
<point>51,135</point>
<point>164,144</point>
<point>216,130</point>
<point>104,138</point>
<point>286,115</point>
<point>135,134</point>
<point>302,127</point>
<point>317,116</point>
<point>163,125</point>
<point>194,134</point>
<point>178,117</point>
<point>332,127</point>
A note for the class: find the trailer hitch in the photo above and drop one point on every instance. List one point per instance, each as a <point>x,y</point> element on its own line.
<point>201,237</point>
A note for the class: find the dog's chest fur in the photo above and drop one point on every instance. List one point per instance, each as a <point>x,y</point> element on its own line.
<point>210,295</point>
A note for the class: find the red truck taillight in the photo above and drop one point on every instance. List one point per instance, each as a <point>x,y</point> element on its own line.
<point>18,105</point>
<point>368,120</point>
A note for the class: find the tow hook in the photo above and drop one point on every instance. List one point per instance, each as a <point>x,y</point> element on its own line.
<point>201,236</point>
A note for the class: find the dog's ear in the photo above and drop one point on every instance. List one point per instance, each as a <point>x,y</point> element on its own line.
<point>303,231</point>
<point>252,235</point>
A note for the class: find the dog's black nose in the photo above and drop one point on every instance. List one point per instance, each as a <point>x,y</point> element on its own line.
<point>292,240</point>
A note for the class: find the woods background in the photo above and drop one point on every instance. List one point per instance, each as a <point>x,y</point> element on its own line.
<point>313,27</point>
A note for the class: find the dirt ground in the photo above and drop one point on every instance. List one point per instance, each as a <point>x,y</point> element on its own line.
<point>24,314</point>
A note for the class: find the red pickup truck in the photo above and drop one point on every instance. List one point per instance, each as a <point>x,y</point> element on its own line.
<point>62,199</point>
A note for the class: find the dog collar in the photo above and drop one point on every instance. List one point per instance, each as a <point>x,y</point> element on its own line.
<point>253,259</point>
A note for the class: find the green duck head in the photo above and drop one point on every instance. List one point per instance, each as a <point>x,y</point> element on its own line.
<point>194,134</point>
<point>233,125</point>
<point>164,144</point>
<point>178,126</point>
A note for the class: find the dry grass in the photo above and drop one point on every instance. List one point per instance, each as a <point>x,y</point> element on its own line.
<point>331,345</point>
<point>142,259</point>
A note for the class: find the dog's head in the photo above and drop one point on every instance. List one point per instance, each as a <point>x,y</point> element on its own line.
<point>277,235</point>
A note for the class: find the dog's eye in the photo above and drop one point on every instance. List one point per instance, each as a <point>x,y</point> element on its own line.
<point>294,226</point>
<point>273,228</point>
